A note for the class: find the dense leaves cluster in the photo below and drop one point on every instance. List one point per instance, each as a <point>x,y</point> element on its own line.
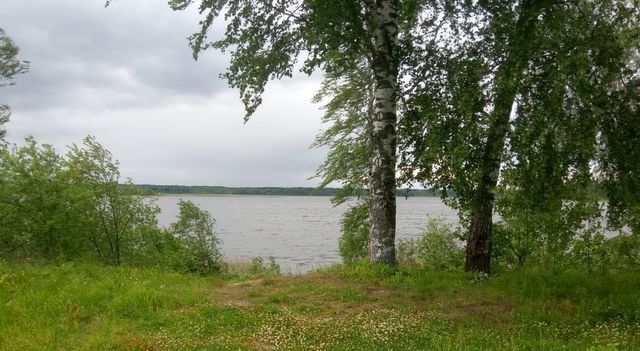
<point>528,105</point>
<point>353,244</point>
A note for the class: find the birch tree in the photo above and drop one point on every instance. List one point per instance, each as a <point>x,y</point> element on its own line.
<point>267,38</point>
<point>516,82</point>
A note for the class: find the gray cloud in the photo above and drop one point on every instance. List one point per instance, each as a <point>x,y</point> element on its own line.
<point>129,52</point>
<point>125,74</point>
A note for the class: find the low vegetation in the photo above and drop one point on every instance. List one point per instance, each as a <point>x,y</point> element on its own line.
<point>74,306</point>
<point>57,208</point>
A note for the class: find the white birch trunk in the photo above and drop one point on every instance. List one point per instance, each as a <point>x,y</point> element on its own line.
<point>382,213</point>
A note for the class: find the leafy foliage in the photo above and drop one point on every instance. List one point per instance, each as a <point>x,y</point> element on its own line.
<point>195,227</point>
<point>61,208</point>
<point>349,114</point>
<point>42,213</point>
<point>10,66</point>
<point>119,215</point>
<point>531,100</point>
<point>438,248</point>
<point>354,241</point>
<point>591,249</point>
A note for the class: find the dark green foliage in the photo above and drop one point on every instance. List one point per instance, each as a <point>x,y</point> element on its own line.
<point>512,246</point>
<point>589,249</point>
<point>74,207</point>
<point>569,72</point>
<point>119,217</point>
<point>194,228</point>
<point>619,160</point>
<point>354,241</point>
<point>349,113</point>
<point>544,231</point>
<point>10,65</point>
<point>438,248</point>
<point>573,121</point>
<point>43,214</point>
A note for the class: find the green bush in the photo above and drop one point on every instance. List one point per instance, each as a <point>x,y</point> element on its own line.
<point>512,246</point>
<point>76,207</point>
<point>437,248</point>
<point>41,211</point>
<point>353,245</point>
<point>593,251</point>
<point>624,250</point>
<point>587,248</point>
<point>261,268</point>
<point>194,228</point>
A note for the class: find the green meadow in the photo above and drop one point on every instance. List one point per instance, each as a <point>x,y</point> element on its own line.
<point>344,307</point>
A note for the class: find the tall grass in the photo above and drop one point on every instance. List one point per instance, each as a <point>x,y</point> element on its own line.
<point>345,307</point>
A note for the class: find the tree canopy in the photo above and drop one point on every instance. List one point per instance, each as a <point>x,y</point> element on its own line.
<point>520,101</point>
<point>10,66</point>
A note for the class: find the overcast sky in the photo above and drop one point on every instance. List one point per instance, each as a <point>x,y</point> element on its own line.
<point>125,75</point>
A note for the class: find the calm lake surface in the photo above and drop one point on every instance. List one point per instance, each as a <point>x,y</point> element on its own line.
<point>301,232</point>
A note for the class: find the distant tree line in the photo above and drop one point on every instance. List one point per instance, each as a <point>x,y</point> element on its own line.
<point>284,191</point>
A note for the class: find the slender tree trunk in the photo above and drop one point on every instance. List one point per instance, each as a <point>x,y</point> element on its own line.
<point>507,79</point>
<point>382,177</point>
<point>481,227</point>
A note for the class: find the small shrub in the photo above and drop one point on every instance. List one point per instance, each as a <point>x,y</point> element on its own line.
<point>407,252</point>
<point>260,268</point>
<point>511,246</point>
<point>624,250</point>
<point>354,242</point>
<point>195,228</point>
<point>593,251</point>
<point>437,248</point>
<point>590,251</point>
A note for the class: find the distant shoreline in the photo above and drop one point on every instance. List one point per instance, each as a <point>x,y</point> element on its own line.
<point>152,189</point>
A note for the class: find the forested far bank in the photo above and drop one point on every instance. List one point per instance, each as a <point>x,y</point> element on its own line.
<point>281,191</point>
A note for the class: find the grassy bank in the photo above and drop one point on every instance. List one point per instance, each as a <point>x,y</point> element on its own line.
<point>90,307</point>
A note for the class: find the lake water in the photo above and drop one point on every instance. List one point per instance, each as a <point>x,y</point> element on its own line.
<point>301,232</point>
